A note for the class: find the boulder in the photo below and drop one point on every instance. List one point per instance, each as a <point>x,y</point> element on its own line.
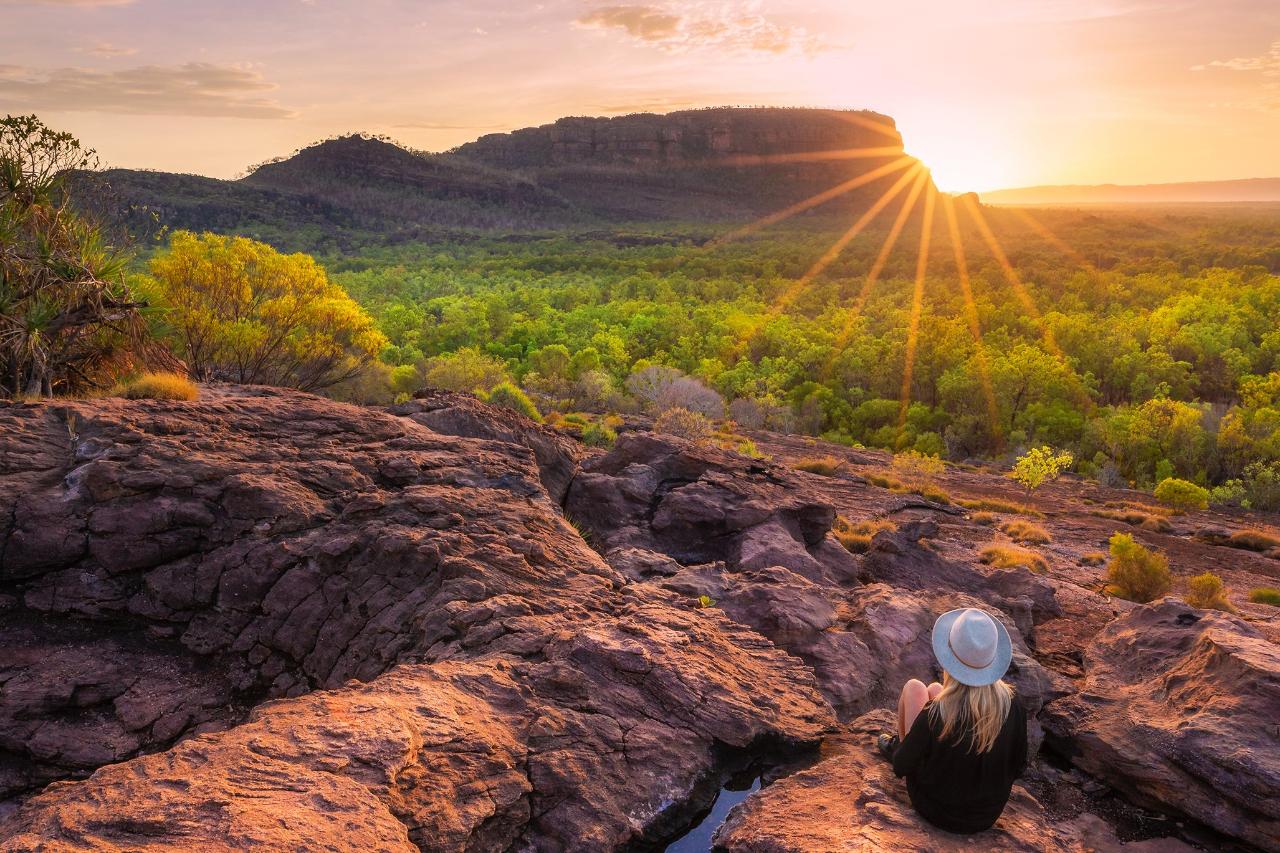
<point>700,504</point>
<point>1178,711</point>
<point>851,801</point>
<point>556,455</point>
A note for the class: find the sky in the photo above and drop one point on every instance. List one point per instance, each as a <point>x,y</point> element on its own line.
<point>989,93</point>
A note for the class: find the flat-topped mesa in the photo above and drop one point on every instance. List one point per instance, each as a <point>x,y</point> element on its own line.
<point>695,136</point>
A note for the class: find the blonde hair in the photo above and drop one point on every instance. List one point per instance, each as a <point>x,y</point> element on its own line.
<point>975,714</point>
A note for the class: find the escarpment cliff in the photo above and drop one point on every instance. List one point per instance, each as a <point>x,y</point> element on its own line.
<point>264,620</point>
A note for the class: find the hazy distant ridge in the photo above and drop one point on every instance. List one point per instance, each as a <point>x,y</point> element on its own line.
<point>1249,189</point>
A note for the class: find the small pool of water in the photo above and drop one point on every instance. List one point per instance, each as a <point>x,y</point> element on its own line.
<point>737,789</point>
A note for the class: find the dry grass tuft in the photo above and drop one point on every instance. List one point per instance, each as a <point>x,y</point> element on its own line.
<point>1253,540</point>
<point>1135,517</point>
<point>995,505</point>
<point>1207,592</point>
<point>1010,557</point>
<point>827,466</point>
<point>1025,532</point>
<point>857,537</point>
<point>985,518</point>
<point>158,386</point>
<point>1093,558</point>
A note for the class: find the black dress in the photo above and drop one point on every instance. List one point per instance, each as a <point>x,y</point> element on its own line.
<point>953,787</point>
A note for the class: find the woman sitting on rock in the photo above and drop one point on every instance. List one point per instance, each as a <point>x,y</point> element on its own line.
<point>960,744</point>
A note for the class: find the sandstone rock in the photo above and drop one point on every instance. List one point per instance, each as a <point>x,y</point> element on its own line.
<point>557,455</point>
<point>702,504</point>
<point>601,741</point>
<point>851,801</point>
<point>1178,711</point>
<point>289,541</point>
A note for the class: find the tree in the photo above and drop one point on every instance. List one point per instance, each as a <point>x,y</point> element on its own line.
<point>1040,465</point>
<point>68,319</point>
<point>243,312</point>
<point>466,370</point>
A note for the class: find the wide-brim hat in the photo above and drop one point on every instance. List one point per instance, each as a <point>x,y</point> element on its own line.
<point>967,647</point>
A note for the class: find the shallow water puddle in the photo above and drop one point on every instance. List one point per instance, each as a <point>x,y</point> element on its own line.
<point>698,839</point>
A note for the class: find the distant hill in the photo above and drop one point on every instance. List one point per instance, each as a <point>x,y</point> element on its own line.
<point>700,165</point>
<point>1248,190</point>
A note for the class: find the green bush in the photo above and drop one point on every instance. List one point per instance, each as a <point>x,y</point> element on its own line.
<point>1135,572</point>
<point>598,435</point>
<point>1265,595</point>
<point>1182,494</point>
<point>508,396</point>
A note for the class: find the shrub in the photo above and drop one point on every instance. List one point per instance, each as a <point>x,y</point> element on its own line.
<point>915,468</point>
<point>986,518</point>
<point>747,447</point>
<point>1093,558</point>
<point>1265,595</point>
<point>827,466</point>
<point>1182,494</point>
<point>857,537</point>
<point>1253,540</point>
<point>1230,493</point>
<point>995,505</point>
<point>1009,557</point>
<point>158,386</point>
<point>685,424</point>
<point>1025,532</point>
<point>1262,485</point>
<point>1040,465</point>
<point>1207,592</point>
<point>598,435</point>
<point>1135,572</point>
<point>466,370</point>
<point>508,396</point>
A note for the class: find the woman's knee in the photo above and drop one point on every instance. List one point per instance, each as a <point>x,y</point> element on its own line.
<point>935,689</point>
<point>914,693</point>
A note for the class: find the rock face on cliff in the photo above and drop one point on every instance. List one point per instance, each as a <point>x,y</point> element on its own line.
<point>264,620</point>
<point>721,164</point>
<point>688,136</point>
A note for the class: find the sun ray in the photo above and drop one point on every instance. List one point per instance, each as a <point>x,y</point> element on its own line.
<point>1056,241</point>
<point>917,306</point>
<point>812,201</point>
<point>794,289</point>
<point>908,204</point>
<point>870,124</point>
<point>1024,296</point>
<point>812,156</point>
<point>971,314</point>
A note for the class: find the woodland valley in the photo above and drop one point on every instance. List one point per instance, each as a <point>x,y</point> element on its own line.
<point>563,489</point>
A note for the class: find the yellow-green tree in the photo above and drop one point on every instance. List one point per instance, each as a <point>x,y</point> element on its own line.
<point>242,312</point>
<point>1040,465</point>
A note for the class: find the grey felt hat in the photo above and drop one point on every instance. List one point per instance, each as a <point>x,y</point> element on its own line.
<point>972,646</point>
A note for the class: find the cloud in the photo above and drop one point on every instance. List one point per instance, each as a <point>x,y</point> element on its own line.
<point>193,89</point>
<point>1267,63</point>
<point>733,27</point>
<point>107,50</point>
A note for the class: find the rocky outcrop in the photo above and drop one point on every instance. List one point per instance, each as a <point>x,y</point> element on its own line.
<point>1178,710</point>
<point>266,544</point>
<point>557,456</point>
<point>851,801</point>
<point>699,504</point>
<point>685,136</point>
